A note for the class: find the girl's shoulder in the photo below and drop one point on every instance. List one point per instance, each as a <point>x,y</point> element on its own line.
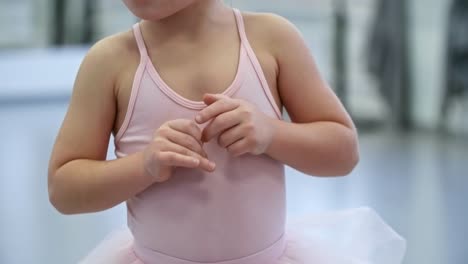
<point>270,29</point>
<point>110,58</point>
<point>113,50</point>
<point>264,19</point>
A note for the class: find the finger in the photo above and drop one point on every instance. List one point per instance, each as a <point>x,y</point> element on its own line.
<point>211,98</point>
<point>238,148</point>
<point>218,107</point>
<point>178,160</point>
<point>186,141</point>
<point>204,163</point>
<point>230,136</point>
<point>187,127</point>
<point>207,165</point>
<point>221,123</point>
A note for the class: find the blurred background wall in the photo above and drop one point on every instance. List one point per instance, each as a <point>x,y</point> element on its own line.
<point>398,65</point>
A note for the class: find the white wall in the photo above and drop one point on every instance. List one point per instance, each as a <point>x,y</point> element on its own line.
<point>24,23</point>
<point>427,26</point>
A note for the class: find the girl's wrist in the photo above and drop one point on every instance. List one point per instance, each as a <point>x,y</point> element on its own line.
<point>274,126</point>
<point>143,172</point>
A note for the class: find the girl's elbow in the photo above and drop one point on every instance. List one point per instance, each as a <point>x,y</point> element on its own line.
<point>351,162</point>
<point>58,202</point>
<point>350,157</point>
<point>57,196</point>
<point>353,156</point>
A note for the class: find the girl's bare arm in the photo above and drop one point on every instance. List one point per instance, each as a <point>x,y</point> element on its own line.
<point>80,179</point>
<point>321,140</point>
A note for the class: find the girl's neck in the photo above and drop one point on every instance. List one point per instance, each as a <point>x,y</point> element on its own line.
<point>190,22</point>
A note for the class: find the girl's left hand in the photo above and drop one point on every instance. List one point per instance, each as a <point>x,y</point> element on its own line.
<point>242,128</point>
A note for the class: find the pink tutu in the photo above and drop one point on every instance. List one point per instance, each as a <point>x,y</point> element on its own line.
<point>354,236</point>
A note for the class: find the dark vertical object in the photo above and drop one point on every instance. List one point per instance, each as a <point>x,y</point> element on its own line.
<point>339,48</point>
<point>456,76</point>
<point>404,119</point>
<point>58,34</point>
<point>388,59</point>
<point>89,22</point>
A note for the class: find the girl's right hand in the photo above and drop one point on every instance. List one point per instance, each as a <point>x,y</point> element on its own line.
<point>176,143</point>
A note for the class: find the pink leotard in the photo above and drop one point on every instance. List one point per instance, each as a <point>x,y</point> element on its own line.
<point>235,214</point>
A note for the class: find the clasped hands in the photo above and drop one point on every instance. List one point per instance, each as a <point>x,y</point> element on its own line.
<point>237,125</point>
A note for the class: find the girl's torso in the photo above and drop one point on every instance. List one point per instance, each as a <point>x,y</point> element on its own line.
<point>235,214</point>
<point>209,66</point>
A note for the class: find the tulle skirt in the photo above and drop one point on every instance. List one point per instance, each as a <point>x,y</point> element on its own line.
<point>353,236</point>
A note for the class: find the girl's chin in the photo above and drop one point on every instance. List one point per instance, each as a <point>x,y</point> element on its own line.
<point>156,9</point>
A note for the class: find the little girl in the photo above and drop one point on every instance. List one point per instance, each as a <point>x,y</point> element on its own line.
<point>193,95</point>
